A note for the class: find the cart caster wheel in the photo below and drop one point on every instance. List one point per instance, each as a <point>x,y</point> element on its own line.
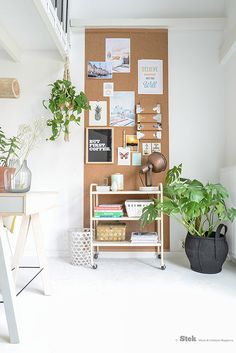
<point>163,267</point>
<point>95,256</point>
<point>95,267</point>
<point>159,256</point>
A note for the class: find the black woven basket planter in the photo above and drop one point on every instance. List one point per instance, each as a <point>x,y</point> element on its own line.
<point>207,254</point>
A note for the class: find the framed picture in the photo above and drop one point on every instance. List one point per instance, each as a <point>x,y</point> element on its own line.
<point>99,145</point>
<point>98,113</point>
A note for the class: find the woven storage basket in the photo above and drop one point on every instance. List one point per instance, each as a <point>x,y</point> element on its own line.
<point>111,231</point>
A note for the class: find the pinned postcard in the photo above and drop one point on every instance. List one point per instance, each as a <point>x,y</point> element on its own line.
<point>99,69</point>
<point>146,148</point>
<point>98,113</point>
<point>132,142</point>
<point>123,156</point>
<point>118,53</point>
<point>108,88</point>
<point>150,76</point>
<point>136,158</point>
<point>122,108</point>
<point>156,147</point>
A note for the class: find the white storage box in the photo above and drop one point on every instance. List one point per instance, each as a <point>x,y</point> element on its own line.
<point>134,208</point>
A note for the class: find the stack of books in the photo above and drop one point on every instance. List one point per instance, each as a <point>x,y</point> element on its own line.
<point>144,237</point>
<point>110,211</point>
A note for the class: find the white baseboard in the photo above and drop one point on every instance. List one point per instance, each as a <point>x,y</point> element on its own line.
<point>113,254</point>
<point>106,254</point>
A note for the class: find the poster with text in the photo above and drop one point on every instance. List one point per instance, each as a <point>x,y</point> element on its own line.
<point>99,145</point>
<point>150,76</point>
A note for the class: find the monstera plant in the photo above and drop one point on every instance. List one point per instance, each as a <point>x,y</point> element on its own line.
<point>201,209</point>
<point>66,107</point>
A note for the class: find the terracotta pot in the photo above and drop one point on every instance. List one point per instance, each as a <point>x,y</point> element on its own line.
<point>2,171</point>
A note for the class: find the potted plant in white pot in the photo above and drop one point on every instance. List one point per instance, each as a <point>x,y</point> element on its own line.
<point>9,148</point>
<point>201,209</point>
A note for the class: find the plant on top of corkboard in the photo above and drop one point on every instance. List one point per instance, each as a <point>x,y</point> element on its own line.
<point>66,106</point>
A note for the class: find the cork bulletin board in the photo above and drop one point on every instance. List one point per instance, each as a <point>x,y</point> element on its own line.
<point>149,44</point>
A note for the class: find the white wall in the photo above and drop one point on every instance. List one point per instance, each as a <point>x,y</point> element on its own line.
<point>230,13</point>
<point>230,112</point>
<point>230,89</point>
<point>196,123</point>
<point>55,165</point>
<point>196,103</point>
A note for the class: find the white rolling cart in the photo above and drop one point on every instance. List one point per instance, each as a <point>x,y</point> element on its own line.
<point>94,201</point>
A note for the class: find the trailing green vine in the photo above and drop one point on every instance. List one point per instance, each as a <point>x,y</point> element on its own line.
<point>66,106</point>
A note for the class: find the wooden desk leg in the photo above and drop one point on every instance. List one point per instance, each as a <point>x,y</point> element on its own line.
<point>38,238</point>
<point>20,244</point>
<point>7,288</point>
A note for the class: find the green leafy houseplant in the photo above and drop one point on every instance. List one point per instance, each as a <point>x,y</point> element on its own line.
<point>66,106</point>
<point>200,208</point>
<point>8,148</point>
<point>8,152</point>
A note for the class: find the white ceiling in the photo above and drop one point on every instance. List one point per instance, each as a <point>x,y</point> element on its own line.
<point>146,8</point>
<point>20,19</point>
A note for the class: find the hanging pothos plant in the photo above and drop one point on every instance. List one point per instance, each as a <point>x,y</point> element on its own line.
<point>66,106</point>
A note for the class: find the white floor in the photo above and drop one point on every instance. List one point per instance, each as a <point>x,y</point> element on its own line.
<point>129,306</point>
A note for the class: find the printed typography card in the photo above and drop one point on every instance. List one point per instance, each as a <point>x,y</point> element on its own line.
<point>150,76</point>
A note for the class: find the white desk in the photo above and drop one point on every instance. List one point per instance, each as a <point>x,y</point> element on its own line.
<point>29,206</point>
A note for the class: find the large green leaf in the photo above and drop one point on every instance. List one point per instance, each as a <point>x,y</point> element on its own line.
<point>200,207</point>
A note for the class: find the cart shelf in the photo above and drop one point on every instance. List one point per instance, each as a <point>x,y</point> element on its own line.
<point>94,201</point>
<point>119,219</point>
<point>124,243</point>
